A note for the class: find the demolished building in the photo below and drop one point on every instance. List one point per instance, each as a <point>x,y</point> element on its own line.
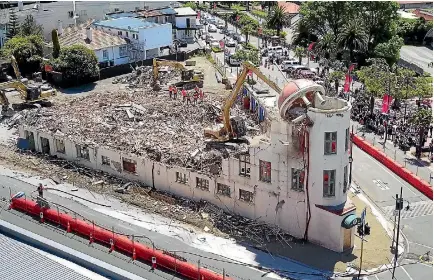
<point>292,174</point>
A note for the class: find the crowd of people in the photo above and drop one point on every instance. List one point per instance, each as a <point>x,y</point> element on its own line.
<point>393,125</point>
<point>188,97</point>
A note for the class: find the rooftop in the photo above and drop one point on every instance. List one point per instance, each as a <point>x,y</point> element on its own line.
<point>100,39</point>
<point>125,23</point>
<point>146,14</point>
<point>185,11</point>
<point>290,8</point>
<point>115,15</point>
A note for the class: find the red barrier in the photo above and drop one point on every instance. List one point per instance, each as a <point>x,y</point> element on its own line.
<point>423,186</point>
<point>120,242</point>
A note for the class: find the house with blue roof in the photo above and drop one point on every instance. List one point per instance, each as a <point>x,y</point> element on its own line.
<point>149,37</point>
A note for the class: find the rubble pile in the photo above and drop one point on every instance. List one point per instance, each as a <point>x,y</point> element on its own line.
<point>142,76</point>
<point>142,122</point>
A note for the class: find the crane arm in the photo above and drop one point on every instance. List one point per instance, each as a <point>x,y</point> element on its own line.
<point>231,100</point>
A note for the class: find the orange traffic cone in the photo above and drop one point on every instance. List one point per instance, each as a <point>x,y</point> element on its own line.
<point>41,215</point>
<point>134,254</point>
<point>68,227</point>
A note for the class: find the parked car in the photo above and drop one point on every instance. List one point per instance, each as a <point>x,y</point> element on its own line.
<point>232,61</point>
<point>236,36</point>
<point>220,25</point>
<point>286,63</point>
<point>208,38</point>
<point>224,30</point>
<point>212,28</point>
<point>241,40</point>
<point>214,43</point>
<point>230,33</point>
<point>239,48</point>
<point>229,42</point>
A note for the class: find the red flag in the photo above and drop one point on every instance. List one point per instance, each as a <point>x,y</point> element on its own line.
<point>222,44</point>
<point>387,100</point>
<point>250,73</point>
<point>311,46</point>
<point>352,66</point>
<point>198,14</point>
<point>347,83</point>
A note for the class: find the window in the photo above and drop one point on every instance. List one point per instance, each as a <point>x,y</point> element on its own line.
<point>330,143</point>
<point>120,33</point>
<point>181,178</point>
<point>105,160</point>
<point>71,14</point>
<point>246,196</point>
<point>202,184</point>
<point>265,171</point>
<point>123,51</point>
<point>245,165</point>
<point>105,54</point>
<point>129,165</point>
<point>82,152</point>
<point>188,22</point>
<point>345,178</point>
<point>224,190</point>
<point>60,146</point>
<point>135,36</point>
<point>297,182</point>
<point>329,181</point>
<point>126,34</point>
<point>347,138</point>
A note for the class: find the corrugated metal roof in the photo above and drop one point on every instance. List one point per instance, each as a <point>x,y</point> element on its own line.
<point>185,11</point>
<point>125,23</point>
<point>20,261</point>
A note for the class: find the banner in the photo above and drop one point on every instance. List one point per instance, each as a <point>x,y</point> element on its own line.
<point>198,14</point>
<point>352,66</point>
<point>347,83</point>
<point>311,46</point>
<point>387,100</point>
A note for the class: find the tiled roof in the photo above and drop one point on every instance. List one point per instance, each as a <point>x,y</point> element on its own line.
<point>100,39</point>
<point>125,23</point>
<point>290,8</point>
<point>21,261</point>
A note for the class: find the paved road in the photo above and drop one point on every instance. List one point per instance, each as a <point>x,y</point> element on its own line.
<point>215,262</point>
<point>418,55</point>
<point>380,185</point>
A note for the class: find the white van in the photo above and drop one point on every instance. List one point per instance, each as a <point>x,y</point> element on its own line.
<point>276,49</point>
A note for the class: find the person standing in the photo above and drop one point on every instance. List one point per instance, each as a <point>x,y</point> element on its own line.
<point>175,92</point>
<point>40,190</point>
<point>184,94</point>
<point>201,95</point>
<point>170,91</point>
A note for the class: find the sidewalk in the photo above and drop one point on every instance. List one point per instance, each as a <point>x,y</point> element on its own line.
<point>422,168</point>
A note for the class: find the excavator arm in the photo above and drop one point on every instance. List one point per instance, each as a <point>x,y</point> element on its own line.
<point>158,62</point>
<point>16,69</point>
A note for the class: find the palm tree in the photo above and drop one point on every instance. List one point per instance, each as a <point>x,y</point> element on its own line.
<point>277,19</point>
<point>326,45</point>
<point>300,53</point>
<point>353,38</point>
<point>421,119</point>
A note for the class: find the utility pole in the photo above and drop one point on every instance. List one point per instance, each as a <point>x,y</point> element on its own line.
<point>361,232</point>
<point>398,206</point>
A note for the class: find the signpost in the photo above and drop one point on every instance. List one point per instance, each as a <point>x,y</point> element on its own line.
<point>362,233</point>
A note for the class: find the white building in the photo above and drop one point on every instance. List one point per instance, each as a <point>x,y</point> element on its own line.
<point>295,176</point>
<point>185,23</point>
<point>110,49</point>
<point>147,36</point>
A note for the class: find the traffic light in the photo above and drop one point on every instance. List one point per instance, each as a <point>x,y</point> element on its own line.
<point>367,229</point>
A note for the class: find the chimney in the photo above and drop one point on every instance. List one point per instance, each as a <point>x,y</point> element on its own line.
<point>59,27</point>
<point>89,34</point>
<point>20,5</point>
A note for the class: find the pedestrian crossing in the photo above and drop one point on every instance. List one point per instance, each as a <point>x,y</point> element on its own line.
<point>380,184</point>
<point>417,209</point>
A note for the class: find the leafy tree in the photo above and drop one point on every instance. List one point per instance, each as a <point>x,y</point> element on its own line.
<point>413,30</point>
<point>191,5</point>
<point>353,38</point>
<point>277,19</point>
<point>326,45</point>
<point>300,52</point>
<point>13,25</point>
<point>77,63</point>
<point>251,55</point>
<point>421,119</point>
<point>56,44</point>
<point>423,87</point>
<point>390,50</point>
<point>30,27</point>
<point>302,36</point>
<point>247,30</point>
<point>28,51</point>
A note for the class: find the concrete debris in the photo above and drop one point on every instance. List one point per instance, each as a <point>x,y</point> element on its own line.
<point>142,76</point>
<point>144,123</point>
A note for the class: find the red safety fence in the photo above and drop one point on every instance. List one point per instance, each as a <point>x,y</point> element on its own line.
<point>118,242</point>
<point>423,186</point>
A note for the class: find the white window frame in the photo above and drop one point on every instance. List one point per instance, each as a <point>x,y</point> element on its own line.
<point>105,160</point>
<point>60,145</point>
<point>123,51</point>
<point>329,138</point>
<point>223,190</point>
<point>329,186</point>
<point>264,171</point>
<point>82,152</point>
<point>296,176</point>
<point>105,57</point>
<point>181,178</point>
<point>246,196</point>
<point>244,165</point>
<point>346,178</point>
<point>202,183</point>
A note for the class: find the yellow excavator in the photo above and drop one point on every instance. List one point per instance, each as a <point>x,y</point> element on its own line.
<point>189,77</point>
<point>28,94</point>
<point>235,127</point>
<point>16,69</point>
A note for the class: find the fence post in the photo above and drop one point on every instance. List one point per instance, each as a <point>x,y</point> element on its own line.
<point>198,269</point>
<point>224,274</point>
<point>417,169</point>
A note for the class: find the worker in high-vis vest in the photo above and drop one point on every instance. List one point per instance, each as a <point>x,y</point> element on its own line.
<point>170,91</point>
<point>184,95</point>
<point>175,92</point>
